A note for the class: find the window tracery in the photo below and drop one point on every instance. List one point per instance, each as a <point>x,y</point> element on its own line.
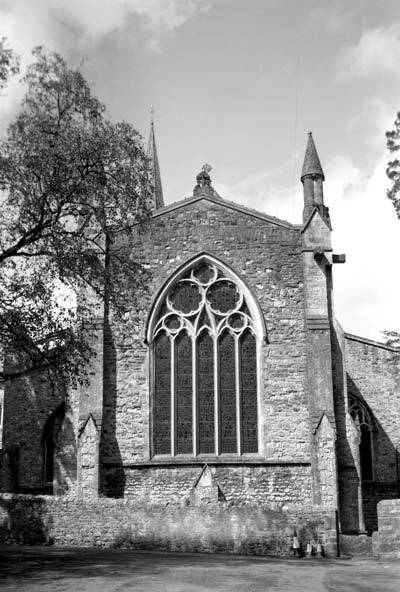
<point>363,422</point>
<point>204,348</point>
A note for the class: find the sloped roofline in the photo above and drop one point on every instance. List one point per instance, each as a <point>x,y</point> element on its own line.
<point>227,204</point>
<point>371,342</point>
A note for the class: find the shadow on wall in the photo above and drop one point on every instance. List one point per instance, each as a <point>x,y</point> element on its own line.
<point>113,482</point>
<point>24,520</point>
<point>241,530</point>
<point>61,457</point>
<point>39,444</point>
<point>347,472</point>
<point>381,481</point>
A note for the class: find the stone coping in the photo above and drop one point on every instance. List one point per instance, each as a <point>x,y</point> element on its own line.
<point>190,461</point>
<point>371,342</point>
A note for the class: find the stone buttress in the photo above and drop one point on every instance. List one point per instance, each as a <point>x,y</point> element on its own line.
<point>317,263</point>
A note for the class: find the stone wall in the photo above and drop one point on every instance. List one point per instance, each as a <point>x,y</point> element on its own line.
<point>370,372</point>
<point>266,255</point>
<point>273,485</point>
<point>31,396</point>
<point>116,523</point>
<point>386,542</point>
<point>373,375</point>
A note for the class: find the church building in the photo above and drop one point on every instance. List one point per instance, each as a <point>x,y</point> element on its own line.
<point>230,383</point>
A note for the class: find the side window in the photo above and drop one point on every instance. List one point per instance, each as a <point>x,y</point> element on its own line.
<point>363,422</point>
<point>204,343</point>
<point>49,438</point>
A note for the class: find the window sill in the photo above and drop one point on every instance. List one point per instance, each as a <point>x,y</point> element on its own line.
<point>225,459</point>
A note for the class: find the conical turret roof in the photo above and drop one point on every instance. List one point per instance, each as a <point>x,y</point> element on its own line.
<point>311,165</point>
<point>158,198</point>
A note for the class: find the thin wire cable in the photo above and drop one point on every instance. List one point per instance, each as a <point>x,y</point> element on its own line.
<point>296,108</point>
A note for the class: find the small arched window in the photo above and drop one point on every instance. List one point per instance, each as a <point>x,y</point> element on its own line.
<point>50,433</point>
<point>363,422</point>
<point>204,339</point>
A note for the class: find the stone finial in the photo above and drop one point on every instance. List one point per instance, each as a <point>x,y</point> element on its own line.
<point>203,178</point>
<point>203,186</point>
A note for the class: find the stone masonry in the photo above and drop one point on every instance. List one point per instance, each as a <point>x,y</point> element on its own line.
<point>311,445</point>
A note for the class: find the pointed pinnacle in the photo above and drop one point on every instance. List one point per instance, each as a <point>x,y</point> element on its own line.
<point>312,165</point>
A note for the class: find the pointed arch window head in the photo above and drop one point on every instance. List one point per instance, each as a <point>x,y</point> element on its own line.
<point>363,422</point>
<point>204,337</point>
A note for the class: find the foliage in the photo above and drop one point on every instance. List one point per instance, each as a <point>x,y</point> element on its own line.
<point>391,338</point>
<point>9,63</point>
<point>393,168</point>
<point>70,180</point>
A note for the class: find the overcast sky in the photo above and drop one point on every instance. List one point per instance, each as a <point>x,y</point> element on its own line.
<point>238,84</point>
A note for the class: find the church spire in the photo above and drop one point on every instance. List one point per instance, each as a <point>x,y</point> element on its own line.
<point>312,177</point>
<point>158,198</point>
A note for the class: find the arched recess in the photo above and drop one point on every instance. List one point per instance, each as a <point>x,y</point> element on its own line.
<point>363,422</point>
<point>205,333</point>
<point>50,434</point>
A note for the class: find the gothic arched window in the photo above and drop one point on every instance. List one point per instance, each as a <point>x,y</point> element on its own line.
<point>204,341</point>
<point>49,438</point>
<point>363,422</point>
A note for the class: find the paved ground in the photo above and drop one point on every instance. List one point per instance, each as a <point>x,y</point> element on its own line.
<point>44,569</point>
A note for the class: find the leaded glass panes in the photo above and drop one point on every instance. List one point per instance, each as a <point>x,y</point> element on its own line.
<point>162,394</point>
<point>205,365</point>
<point>205,394</point>
<point>204,273</point>
<point>248,391</point>
<point>185,297</point>
<point>366,454</point>
<point>227,393</point>
<point>173,322</point>
<point>183,362</point>
<point>223,296</point>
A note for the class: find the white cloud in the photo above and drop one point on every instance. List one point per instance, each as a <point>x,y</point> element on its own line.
<point>51,22</point>
<point>97,18</point>
<point>266,193</point>
<point>365,227</point>
<point>374,117</point>
<point>332,17</point>
<point>376,52</point>
<point>66,25</point>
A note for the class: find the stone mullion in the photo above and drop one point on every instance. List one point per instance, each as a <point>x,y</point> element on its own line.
<point>216,394</point>
<point>194,396</point>
<point>238,396</point>
<point>173,399</point>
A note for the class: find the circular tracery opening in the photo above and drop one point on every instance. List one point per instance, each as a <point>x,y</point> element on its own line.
<point>185,297</point>
<point>204,273</point>
<point>237,321</point>
<point>173,323</point>
<point>223,296</point>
